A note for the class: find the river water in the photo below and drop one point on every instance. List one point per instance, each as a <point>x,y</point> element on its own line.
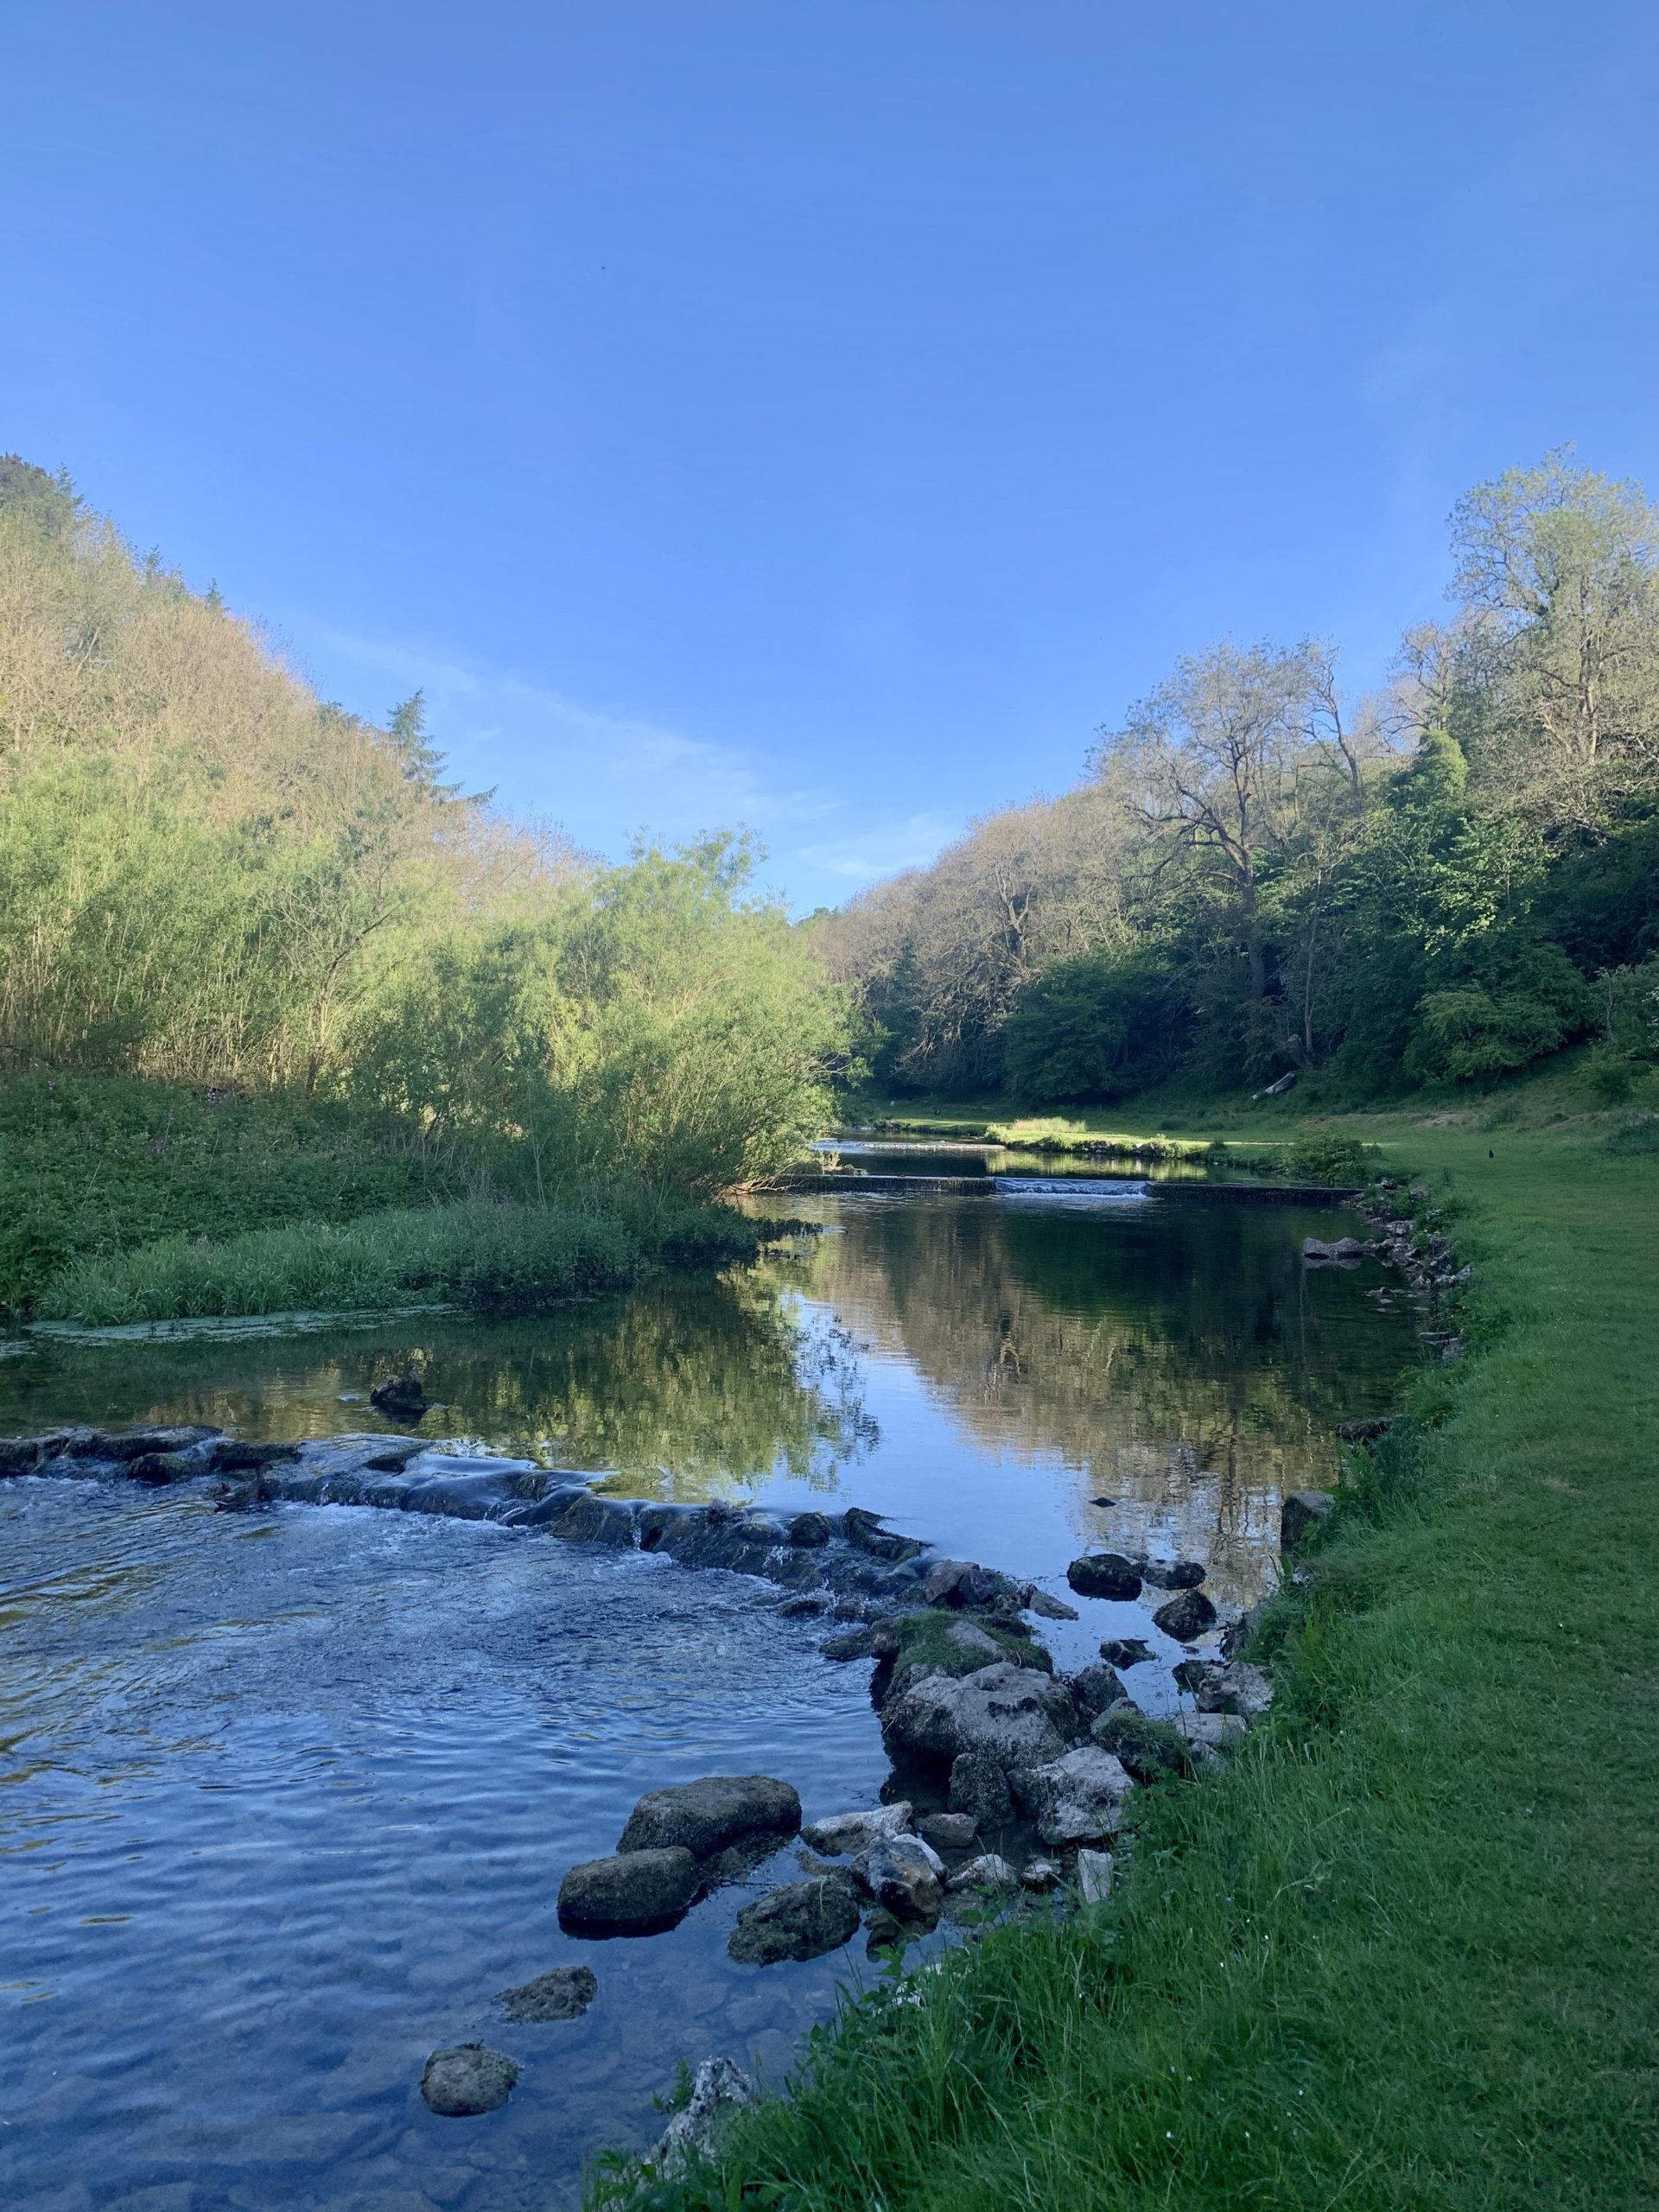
<point>286,1798</point>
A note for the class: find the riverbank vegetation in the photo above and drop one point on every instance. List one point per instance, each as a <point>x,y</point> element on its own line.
<point>261,965</point>
<point>1399,1953</point>
<point>1260,875</point>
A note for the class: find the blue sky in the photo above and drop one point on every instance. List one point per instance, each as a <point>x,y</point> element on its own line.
<point>817,414</point>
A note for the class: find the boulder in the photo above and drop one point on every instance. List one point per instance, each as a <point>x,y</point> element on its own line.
<point>1094,1876</point>
<point>960,1583</point>
<point>865,1532</point>
<point>808,1529</point>
<point>844,1832</point>
<point>1185,1617</point>
<point>703,1817</point>
<point>1020,1716</point>
<point>466,2079</point>
<point>802,1920</point>
<point>947,1831</point>
<point>1174,1575</point>
<point>158,1469</point>
<point>990,1871</point>
<point>1237,1634</point>
<point>1237,1687</point>
<point>1345,1248</point>
<point>1207,1735</point>
<point>1302,1510</point>
<point>20,1455</point>
<point>563,1993</point>
<point>634,1893</point>
<point>1104,1575</point>
<point>979,1787</point>
<point>1039,1874</point>
<point>1191,1675</point>
<point>904,1875</point>
<point>400,1397</point>
<point>1125,1651</point>
<point>719,2088</point>
<point>1094,1690</point>
<point>1079,1798</point>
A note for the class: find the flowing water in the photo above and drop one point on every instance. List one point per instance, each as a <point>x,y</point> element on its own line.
<point>286,1799</point>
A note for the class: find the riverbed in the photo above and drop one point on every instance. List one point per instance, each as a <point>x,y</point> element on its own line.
<point>288,1796</point>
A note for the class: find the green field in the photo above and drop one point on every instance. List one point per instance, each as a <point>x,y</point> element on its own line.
<point>1403,1954</point>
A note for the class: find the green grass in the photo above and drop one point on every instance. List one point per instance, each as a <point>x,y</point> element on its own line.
<point>1402,1954</point>
<point>496,1256</point>
<point>128,1201</point>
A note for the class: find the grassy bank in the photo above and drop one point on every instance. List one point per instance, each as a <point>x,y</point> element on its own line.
<point>1402,1954</point>
<point>127,1201</point>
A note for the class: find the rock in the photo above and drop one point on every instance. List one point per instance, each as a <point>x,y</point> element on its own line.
<point>808,1529</point>
<point>1302,1510</point>
<point>947,1831</point>
<point>1094,1876</point>
<point>808,1607</point>
<point>719,2088</point>
<point>1185,1617</point>
<point>990,1871</point>
<point>1147,1750</point>
<point>864,1531</point>
<point>886,1934</point>
<point>238,1455</point>
<point>1208,1734</point>
<point>703,1817</point>
<point>1237,1634</point>
<point>1345,1248</point>
<point>979,1787</point>
<point>400,1397</point>
<point>903,1874</point>
<point>965,1636</point>
<point>1104,1575</point>
<point>1365,1432</point>
<point>1020,1715</point>
<point>20,1455</point>
<point>466,2079</point>
<point>1079,1798</point>
<point>1238,1687</point>
<point>844,1832</point>
<point>1125,1651</point>
<point>133,1443</point>
<point>1172,1574</point>
<point>563,1993</point>
<point>634,1893</point>
<point>1039,1874</point>
<point>1191,1675</point>
<point>851,1643</point>
<point>1285,1083</point>
<point>802,1920</point>
<point>1093,1689</point>
<point>1044,1606</point>
<point>158,1469</point>
<point>960,1583</point>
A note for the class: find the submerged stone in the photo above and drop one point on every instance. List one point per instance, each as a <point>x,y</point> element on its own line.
<point>563,1993</point>
<point>802,1920</point>
<point>1104,1575</point>
<point>467,2079</point>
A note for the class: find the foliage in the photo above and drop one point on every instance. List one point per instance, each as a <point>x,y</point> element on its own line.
<point>1446,883</point>
<point>212,879</point>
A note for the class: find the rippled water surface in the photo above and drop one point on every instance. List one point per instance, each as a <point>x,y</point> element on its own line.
<point>286,1799</point>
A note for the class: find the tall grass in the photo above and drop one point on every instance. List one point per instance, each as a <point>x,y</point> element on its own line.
<point>494,1257</point>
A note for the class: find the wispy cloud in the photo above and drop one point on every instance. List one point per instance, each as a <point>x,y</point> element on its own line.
<point>606,776</point>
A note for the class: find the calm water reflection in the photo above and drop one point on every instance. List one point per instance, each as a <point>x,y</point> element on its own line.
<point>285,1802</point>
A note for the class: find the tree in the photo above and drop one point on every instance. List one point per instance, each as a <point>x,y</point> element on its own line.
<point>1563,565</point>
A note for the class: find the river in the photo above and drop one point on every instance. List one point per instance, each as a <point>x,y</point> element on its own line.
<point>288,1797</point>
